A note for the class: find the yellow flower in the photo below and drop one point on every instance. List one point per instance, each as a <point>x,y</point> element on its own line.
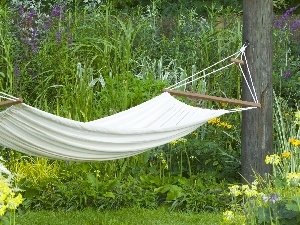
<point>183,140</point>
<point>4,191</point>
<point>235,190</point>
<point>214,121</point>
<point>228,216</point>
<point>14,202</point>
<point>293,179</point>
<point>217,122</point>
<point>294,142</point>
<point>2,209</point>
<point>272,159</point>
<point>251,192</point>
<point>3,196</point>
<point>224,104</point>
<point>173,142</point>
<point>286,155</point>
<point>229,126</point>
<point>245,187</point>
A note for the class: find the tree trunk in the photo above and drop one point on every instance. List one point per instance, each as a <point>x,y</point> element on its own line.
<point>257,128</point>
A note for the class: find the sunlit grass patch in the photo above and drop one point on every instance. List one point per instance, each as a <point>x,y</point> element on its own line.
<point>128,216</point>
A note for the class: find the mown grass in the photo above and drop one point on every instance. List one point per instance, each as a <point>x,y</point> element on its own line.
<point>159,216</point>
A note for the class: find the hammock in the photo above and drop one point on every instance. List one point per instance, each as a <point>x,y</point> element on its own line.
<point>131,132</point>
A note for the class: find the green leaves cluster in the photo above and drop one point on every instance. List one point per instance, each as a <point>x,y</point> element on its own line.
<point>284,212</point>
<point>80,185</point>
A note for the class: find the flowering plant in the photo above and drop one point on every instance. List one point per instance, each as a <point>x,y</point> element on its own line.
<point>10,199</point>
<point>274,199</point>
<point>262,202</point>
<point>286,55</point>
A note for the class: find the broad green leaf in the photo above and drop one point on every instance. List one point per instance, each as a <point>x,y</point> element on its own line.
<point>174,193</point>
<point>292,206</point>
<point>109,194</point>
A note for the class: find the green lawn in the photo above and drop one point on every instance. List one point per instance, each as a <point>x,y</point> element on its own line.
<point>120,217</point>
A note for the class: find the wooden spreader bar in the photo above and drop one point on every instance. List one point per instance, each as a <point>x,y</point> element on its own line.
<point>213,98</point>
<point>10,102</point>
<point>238,61</point>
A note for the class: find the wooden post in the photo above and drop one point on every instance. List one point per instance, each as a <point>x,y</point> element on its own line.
<point>257,140</point>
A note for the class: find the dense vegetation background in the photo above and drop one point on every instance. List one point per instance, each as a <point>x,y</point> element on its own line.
<point>88,59</point>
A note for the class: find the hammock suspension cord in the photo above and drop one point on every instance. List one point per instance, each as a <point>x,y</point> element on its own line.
<point>240,53</point>
<point>251,88</point>
<point>7,96</point>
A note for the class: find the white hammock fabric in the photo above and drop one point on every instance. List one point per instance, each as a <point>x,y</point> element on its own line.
<point>131,132</point>
<point>153,123</point>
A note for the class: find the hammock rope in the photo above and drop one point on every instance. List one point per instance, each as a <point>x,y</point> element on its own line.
<point>241,54</point>
<point>7,96</point>
<point>250,88</point>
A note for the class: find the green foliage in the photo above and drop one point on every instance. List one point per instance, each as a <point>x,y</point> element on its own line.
<point>286,58</point>
<point>285,212</point>
<point>10,198</point>
<point>94,63</point>
<point>286,132</point>
<point>6,49</point>
<point>196,194</point>
<point>79,185</point>
<point>87,60</point>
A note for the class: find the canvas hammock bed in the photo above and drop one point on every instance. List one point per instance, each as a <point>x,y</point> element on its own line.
<point>131,132</point>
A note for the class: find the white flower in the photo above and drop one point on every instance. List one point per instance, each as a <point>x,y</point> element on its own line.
<point>4,170</point>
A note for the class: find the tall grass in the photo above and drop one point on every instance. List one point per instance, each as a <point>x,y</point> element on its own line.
<point>140,46</point>
<point>89,64</point>
<point>286,128</point>
<point>6,49</point>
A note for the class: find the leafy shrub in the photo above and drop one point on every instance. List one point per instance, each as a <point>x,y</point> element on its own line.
<point>286,57</point>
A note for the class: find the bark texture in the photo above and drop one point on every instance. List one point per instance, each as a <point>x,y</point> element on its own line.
<point>257,128</point>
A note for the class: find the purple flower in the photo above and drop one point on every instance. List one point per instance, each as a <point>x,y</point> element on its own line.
<point>295,25</point>
<point>16,70</point>
<point>56,11</point>
<point>31,14</point>
<point>48,24</point>
<point>287,74</point>
<point>34,48</point>
<point>33,41</point>
<point>58,36</point>
<point>34,33</point>
<point>287,13</point>
<point>21,10</point>
<point>27,41</point>
<point>278,23</point>
<point>273,198</point>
